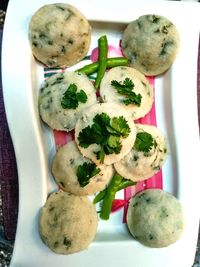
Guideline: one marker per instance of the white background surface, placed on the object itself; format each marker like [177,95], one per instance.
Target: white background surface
[176,106]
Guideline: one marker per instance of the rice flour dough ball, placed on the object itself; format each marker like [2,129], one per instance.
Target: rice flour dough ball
[151,44]
[67,223]
[146,157]
[128,87]
[59,35]
[155,218]
[77,174]
[105,133]
[63,97]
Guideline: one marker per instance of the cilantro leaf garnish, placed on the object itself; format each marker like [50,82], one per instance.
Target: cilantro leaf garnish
[114,144]
[125,88]
[71,97]
[121,126]
[144,142]
[127,84]
[85,172]
[105,132]
[100,155]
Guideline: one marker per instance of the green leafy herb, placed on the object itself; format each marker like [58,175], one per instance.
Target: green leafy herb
[126,88]
[85,172]
[120,126]
[71,97]
[106,133]
[67,242]
[144,142]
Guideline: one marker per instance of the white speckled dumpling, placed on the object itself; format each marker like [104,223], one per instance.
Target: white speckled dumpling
[113,111]
[67,223]
[64,169]
[51,95]
[151,44]
[139,165]
[155,218]
[59,35]
[141,87]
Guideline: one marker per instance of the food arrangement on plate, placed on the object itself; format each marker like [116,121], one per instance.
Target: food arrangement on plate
[110,151]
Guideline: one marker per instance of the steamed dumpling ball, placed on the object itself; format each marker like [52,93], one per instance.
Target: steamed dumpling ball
[67,223]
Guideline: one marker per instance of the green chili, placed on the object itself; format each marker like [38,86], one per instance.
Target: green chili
[124,184]
[103,51]
[99,196]
[89,69]
[110,196]
[117,61]
[110,63]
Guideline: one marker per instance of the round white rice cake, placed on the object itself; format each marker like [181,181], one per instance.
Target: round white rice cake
[112,110]
[139,165]
[67,223]
[151,44]
[51,94]
[59,35]
[155,218]
[141,86]
[64,169]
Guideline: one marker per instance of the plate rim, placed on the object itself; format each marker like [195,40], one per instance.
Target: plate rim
[7,83]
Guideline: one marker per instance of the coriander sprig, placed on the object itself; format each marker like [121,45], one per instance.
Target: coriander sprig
[144,142]
[105,132]
[71,97]
[125,88]
[85,172]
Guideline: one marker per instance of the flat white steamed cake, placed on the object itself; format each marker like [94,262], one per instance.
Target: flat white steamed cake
[51,95]
[113,111]
[140,165]
[59,35]
[141,87]
[151,43]
[67,223]
[64,169]
[155,218]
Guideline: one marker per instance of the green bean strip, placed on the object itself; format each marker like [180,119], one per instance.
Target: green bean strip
[89,69]
[103,51]
[110,196]
[124,184]
[110,63]
[117,61]
[100,196]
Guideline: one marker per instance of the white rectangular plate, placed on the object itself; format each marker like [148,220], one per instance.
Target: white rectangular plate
[176,108]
